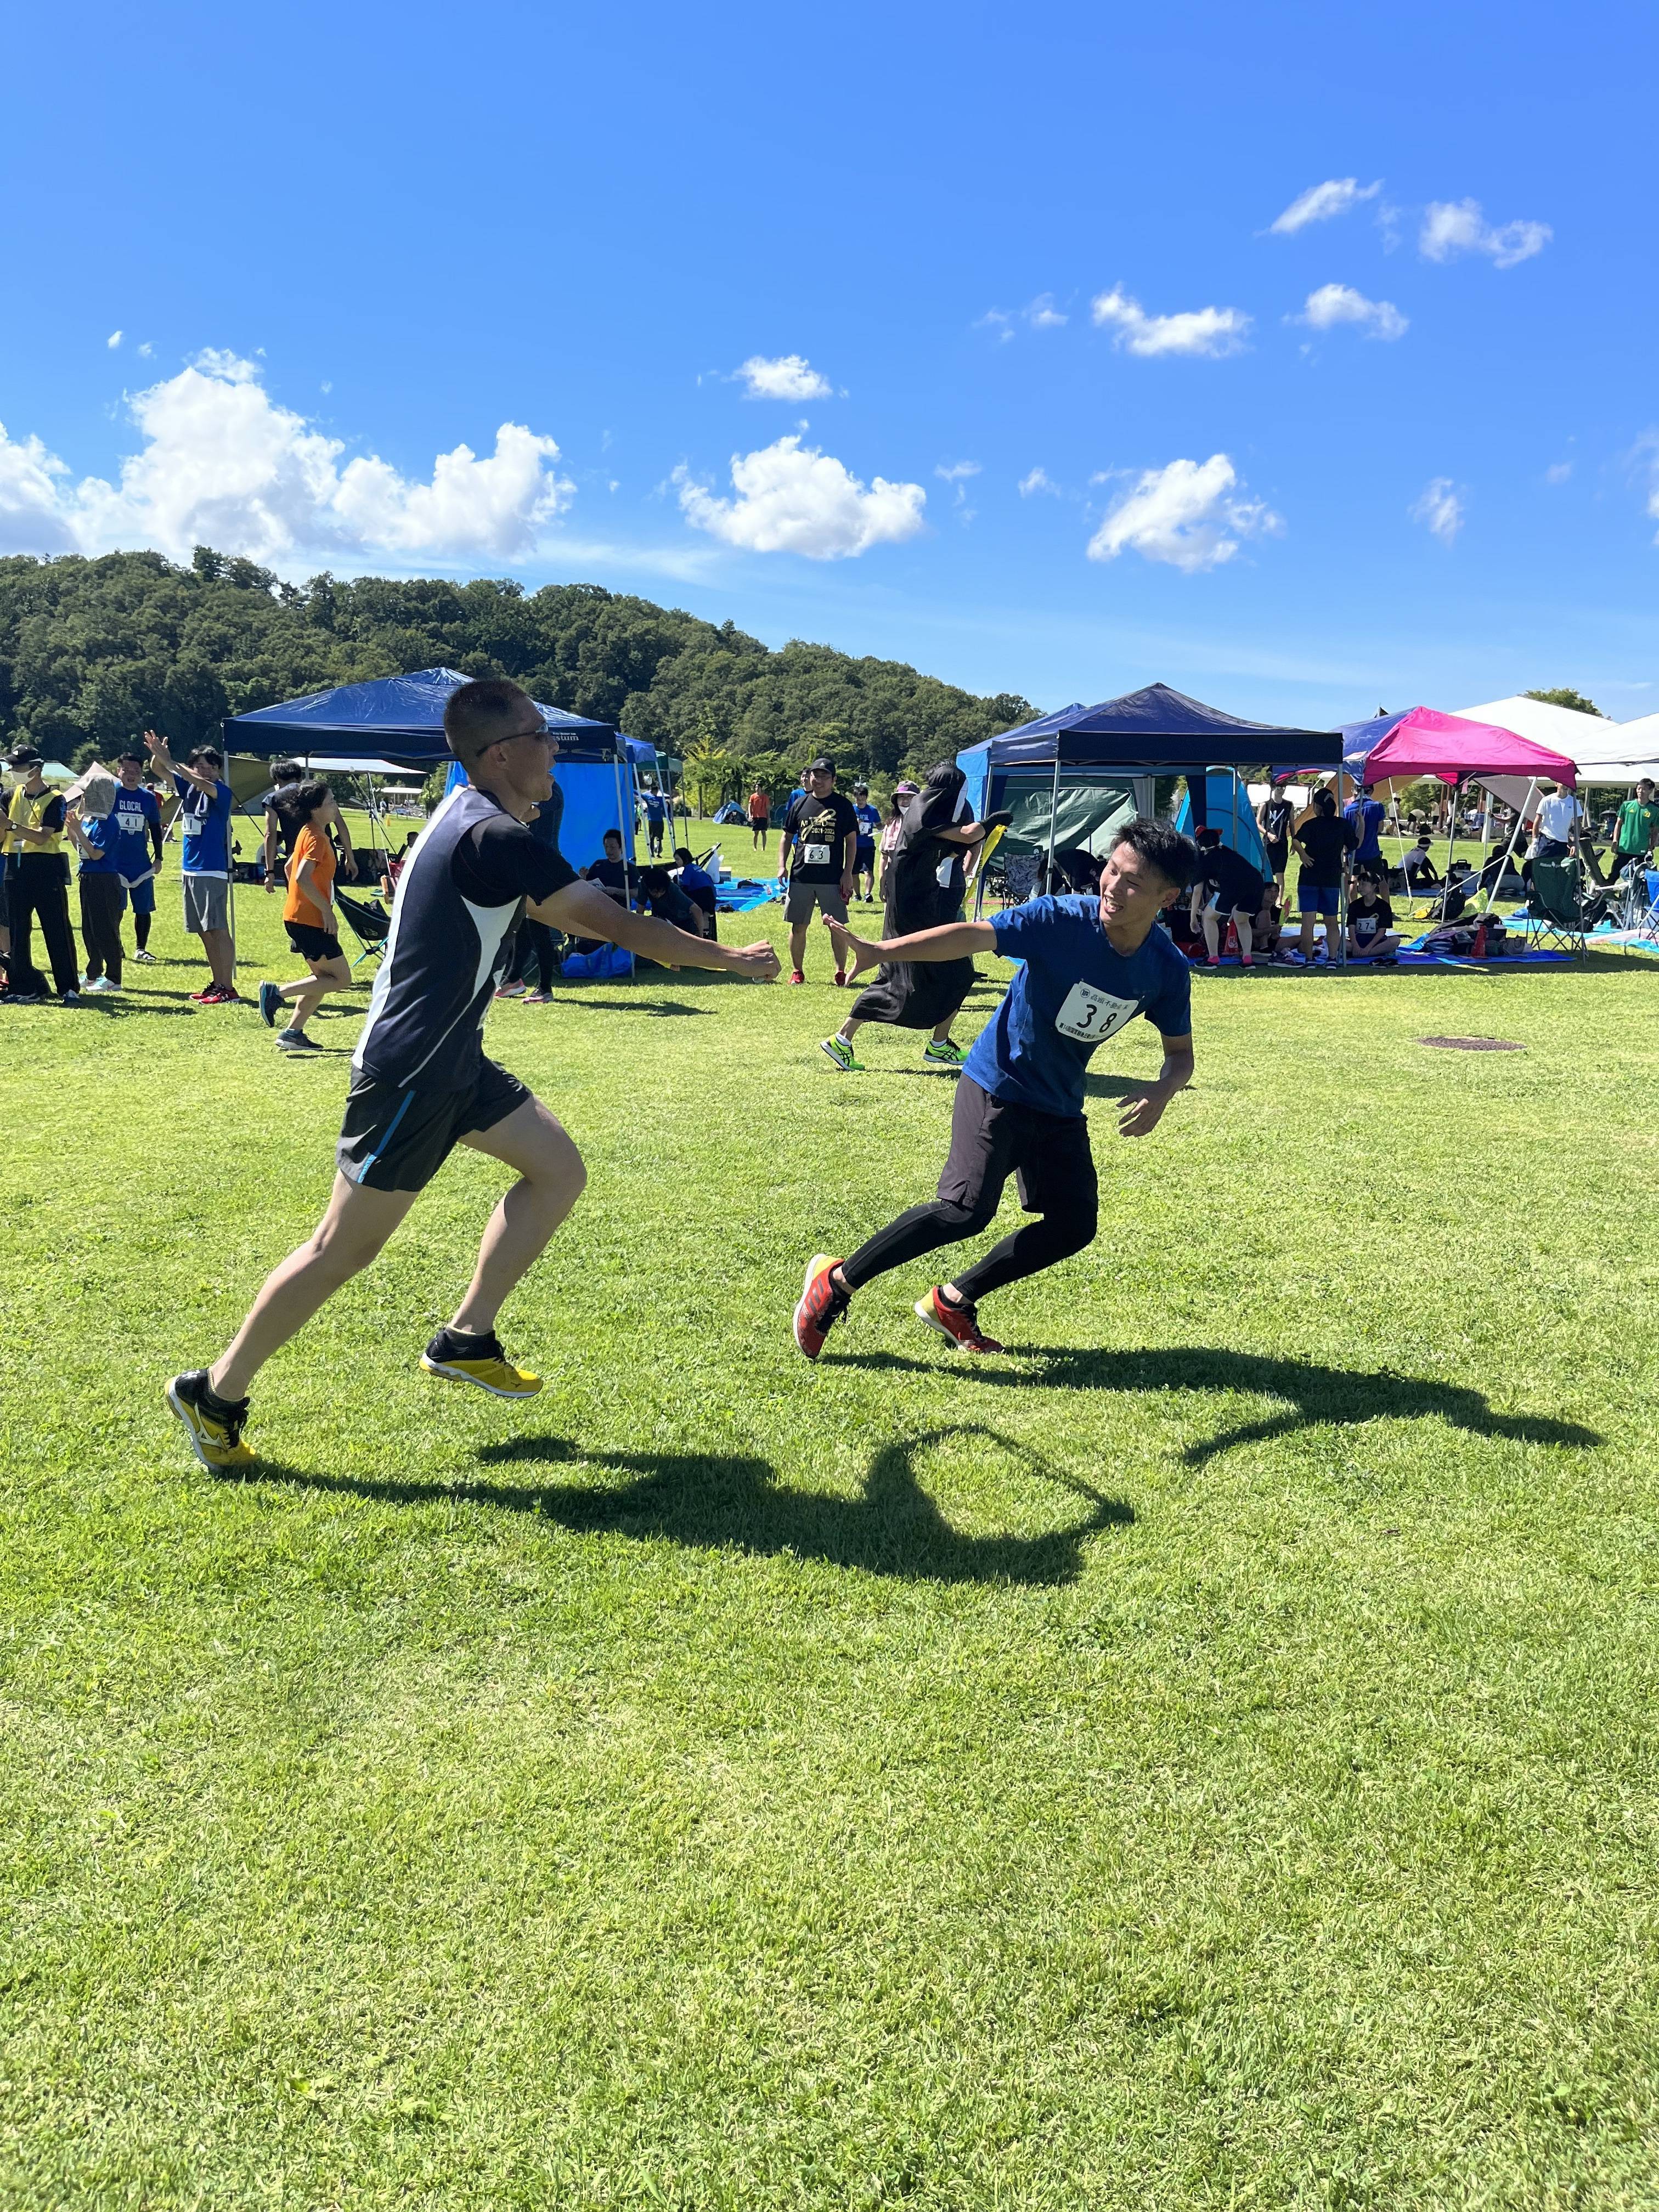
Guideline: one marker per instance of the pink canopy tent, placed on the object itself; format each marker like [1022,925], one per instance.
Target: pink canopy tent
[1427,742]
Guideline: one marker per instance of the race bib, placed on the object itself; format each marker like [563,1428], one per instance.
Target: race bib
[815,856]
[1088,1015]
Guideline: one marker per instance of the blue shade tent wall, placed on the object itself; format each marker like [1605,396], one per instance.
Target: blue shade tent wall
[1227,808]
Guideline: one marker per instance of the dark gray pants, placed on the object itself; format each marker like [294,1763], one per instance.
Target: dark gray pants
[102,901]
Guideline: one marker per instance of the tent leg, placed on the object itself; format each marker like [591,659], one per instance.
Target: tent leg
[1053,809]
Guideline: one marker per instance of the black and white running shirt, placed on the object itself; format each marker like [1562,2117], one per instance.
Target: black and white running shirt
[457,898]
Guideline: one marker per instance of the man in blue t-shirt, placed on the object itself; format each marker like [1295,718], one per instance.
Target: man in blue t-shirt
[863,856]
[204,803]
[138,820]
[1367,816]
[1089,965]
[656,814]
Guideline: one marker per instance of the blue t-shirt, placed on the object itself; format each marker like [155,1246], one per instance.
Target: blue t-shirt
[1073,990]
[103,834]
[1367,816]
[869,823]
[205,822]
[699,887]
[135,814]
[656,807]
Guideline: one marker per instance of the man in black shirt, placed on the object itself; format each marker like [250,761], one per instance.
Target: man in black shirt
[1273,819]
[1322,844]
[1226,885]
[820,838]
[421,1082]
[610,873]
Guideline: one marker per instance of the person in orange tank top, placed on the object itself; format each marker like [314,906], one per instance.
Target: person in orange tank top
[308,917]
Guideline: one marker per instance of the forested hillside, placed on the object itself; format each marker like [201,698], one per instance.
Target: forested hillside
[92,652]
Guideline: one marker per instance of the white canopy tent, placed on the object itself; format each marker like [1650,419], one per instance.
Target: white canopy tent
[1602,752]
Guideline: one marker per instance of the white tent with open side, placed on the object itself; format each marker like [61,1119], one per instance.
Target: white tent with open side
[1602,752]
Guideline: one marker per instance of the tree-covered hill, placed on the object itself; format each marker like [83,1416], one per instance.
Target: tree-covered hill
[94,651]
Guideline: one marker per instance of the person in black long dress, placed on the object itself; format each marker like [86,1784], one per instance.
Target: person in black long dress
[923,888]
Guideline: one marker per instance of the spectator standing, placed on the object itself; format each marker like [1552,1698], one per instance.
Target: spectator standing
[656,815]
[1367,815]
[760,817]
[1225,885]
[537,946]
[281,827]
[309,917]
[820,833]
[204,802]
[95,837]
[1323,843]
[1556,824]
[137,845]
[864,852]
[1273,819]
[1636,832]
[37,884]
[892,830]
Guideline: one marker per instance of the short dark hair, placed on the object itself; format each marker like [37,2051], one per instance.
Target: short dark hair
[1325,801]
[476,715]
[685,853]
[609,835]
[303,799]
[1206,839]
[200,753]
[1162,846]
[132,754]
[286,772]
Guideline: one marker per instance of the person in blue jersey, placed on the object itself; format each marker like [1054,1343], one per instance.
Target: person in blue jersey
[656,815]
[421,1081]
[1088,966]
[137,819]
[205,807]
[864,851]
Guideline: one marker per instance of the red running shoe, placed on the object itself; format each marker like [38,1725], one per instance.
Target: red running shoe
[821,1305]
[841,976]
[795,975]
[956,1322]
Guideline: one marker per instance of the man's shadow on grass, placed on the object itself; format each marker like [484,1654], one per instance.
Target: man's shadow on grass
[1313,1396]
[663,1010]
[892,1528]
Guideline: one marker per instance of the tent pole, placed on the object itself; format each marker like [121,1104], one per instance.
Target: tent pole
[1054,809]
[1342,960]
[623,829]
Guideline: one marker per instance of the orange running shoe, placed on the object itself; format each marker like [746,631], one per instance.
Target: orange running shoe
[956,1322]
[821,1305]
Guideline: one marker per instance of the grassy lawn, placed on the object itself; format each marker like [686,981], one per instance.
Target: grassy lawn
[1206,1758]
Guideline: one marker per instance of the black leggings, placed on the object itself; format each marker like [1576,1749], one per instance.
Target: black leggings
[37,886]
[1039,1243]
[536,946]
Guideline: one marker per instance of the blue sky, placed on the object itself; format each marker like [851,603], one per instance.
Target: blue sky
[1401,448]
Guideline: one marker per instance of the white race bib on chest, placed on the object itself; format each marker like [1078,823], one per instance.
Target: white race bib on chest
[815,856]
[1088,1015]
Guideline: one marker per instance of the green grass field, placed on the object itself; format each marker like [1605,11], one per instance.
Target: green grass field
[1206,1758]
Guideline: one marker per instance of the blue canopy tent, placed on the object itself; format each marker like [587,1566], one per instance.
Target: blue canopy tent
[1128,741]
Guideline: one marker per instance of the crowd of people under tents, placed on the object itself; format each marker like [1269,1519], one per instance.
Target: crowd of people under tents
[833,849]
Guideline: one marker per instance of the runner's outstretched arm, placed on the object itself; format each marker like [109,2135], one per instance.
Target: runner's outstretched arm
[952,940]
[582,910]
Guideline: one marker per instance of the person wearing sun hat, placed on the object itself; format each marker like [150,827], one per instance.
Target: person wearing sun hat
[892,830]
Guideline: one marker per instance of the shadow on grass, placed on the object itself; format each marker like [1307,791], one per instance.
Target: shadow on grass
[663,1009]
[893,1527]
[1314,1395]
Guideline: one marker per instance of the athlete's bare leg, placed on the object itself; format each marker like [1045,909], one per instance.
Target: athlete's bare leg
[351,1234]
[552,1178]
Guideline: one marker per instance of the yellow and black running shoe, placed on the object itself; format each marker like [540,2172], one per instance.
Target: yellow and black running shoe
[460,1358]
[213,1425]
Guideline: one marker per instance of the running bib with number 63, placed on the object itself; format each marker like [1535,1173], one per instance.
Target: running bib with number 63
[815,856]
[1088,1015]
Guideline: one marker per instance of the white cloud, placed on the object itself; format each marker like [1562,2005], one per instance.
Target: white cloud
[145,350]
[221,463]
[1557,472]
[1043,315]
[1038,480]
[1339,303]
[113,340]
[998,320]
[1454,227]
[793,499]
[1320,203]
[790,376]
[1440,505]
[1212,332]
[1186,513]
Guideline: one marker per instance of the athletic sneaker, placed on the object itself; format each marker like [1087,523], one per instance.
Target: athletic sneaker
[840,975]
[795,975]
[144,959]
[229,996]
[539,998]
[213,1424]
[511,991]
[820,1306]
[955,1322]
[70,999]
[944,1052]
[296,1041]
[458,1358]
[842,1053]
[201,998]
[100,984]
[270,1004]
[1214,960]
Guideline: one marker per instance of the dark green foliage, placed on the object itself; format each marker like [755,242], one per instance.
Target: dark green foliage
[1564,695]
[92,652]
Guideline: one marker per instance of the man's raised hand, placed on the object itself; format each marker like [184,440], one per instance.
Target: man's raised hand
[864,953]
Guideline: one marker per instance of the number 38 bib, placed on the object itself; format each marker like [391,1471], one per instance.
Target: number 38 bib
[1088,1015]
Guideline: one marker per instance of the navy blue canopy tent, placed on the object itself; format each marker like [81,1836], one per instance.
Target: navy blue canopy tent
[401,719]
[1100,755]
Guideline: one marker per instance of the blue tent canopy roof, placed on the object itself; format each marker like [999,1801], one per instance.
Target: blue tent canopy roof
[1155,729]
[401,717]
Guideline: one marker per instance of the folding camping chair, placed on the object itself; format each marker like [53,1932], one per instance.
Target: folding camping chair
[1557,909]
[369,922]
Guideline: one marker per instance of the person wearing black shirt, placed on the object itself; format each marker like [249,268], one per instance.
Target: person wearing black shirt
[820,837]
[1421,874]
[1322,845]
[1226,885]
[421,1083]
[1273,819]
[1371,933]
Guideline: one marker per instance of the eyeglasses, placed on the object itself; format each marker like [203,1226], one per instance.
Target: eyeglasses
[541,733]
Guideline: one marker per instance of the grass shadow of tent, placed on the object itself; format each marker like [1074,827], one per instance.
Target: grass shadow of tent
[1313,1396]
[721,1502]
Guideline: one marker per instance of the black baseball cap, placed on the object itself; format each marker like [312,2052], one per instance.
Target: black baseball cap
[26,756]
[821,766]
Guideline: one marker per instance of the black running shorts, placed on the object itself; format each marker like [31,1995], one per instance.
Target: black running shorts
[312,943]
[397,1139]
[992,1139]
